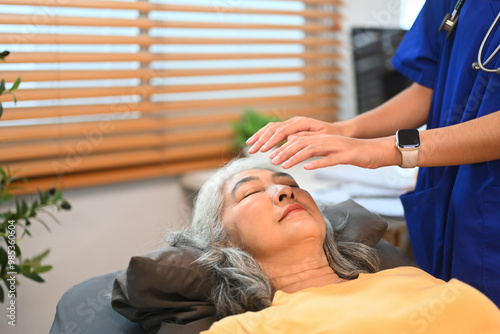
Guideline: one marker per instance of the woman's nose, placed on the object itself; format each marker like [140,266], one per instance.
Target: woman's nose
[282,193]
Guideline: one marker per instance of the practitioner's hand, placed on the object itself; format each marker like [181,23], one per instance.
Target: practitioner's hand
[275,132]
[335,150]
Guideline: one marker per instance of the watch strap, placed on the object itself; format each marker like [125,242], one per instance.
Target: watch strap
[409,158]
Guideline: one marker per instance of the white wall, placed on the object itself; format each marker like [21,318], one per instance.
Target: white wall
[105,227]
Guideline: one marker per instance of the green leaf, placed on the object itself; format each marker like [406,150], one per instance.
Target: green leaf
[15,85]
[26,232]
[57,196]
[35,277]
[4,54]
[25,268]
[6,196]
[50,214]
[18,207]
[1,109]
[3,174]
[3,258]
[7,168]
[2,86]
[41,256]
[1,295]
[15,98]
[32,209]
[43,197]
[42,269]
[18,251]
[40,195]
[24,208]
[43,223]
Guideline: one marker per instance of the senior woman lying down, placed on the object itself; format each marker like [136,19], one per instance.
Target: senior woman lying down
[280,269]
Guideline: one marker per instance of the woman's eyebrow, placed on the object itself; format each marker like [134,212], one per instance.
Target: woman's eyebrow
[244,180]
[281,174]
[241,182]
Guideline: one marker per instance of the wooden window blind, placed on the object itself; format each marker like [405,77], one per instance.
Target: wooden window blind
[118,90]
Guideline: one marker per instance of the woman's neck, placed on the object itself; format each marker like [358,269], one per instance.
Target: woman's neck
[296,275]
[316,277]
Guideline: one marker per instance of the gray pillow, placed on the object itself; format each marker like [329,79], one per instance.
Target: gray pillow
[86,309]
[363,226]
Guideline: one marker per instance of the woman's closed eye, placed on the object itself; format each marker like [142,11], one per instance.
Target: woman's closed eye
[249,193]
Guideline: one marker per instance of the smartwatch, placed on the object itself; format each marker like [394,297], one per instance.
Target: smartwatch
[408,143]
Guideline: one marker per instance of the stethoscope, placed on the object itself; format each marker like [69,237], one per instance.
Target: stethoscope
[448,24]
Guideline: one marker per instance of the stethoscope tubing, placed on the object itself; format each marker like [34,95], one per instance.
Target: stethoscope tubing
[480,53]
[449,23]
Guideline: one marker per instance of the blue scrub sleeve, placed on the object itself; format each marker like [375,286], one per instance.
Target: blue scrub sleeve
[418,54]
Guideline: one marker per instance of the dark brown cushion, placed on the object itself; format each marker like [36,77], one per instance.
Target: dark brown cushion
[164,286]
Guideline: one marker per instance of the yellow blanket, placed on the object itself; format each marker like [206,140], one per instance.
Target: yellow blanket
[401,301]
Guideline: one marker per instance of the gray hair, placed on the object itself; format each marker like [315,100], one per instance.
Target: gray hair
[241,284]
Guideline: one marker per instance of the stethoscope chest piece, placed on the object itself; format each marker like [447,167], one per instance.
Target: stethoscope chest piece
[450,20]
[449,23]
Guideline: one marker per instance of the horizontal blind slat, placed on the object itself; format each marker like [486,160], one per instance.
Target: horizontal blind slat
[147,7]
[61,75]
[145,40]
[128,5]
[145,23]
[319,2]
[145,90]
[146,107]
[144,57]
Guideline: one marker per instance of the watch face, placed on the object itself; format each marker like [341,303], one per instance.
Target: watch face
[408,138]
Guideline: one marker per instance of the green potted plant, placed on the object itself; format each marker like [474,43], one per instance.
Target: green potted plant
[15,225]
[15,222]
[250,122]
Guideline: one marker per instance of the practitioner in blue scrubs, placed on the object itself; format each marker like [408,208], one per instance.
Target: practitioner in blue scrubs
[453,215]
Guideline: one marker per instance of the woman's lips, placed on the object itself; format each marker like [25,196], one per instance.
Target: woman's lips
[292,208]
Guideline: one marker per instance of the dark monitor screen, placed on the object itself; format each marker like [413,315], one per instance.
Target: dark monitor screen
[376,79]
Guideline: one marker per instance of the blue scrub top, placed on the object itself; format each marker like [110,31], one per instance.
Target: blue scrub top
[453,215]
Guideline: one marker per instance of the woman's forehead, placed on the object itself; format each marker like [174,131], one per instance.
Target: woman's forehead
[257,173]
